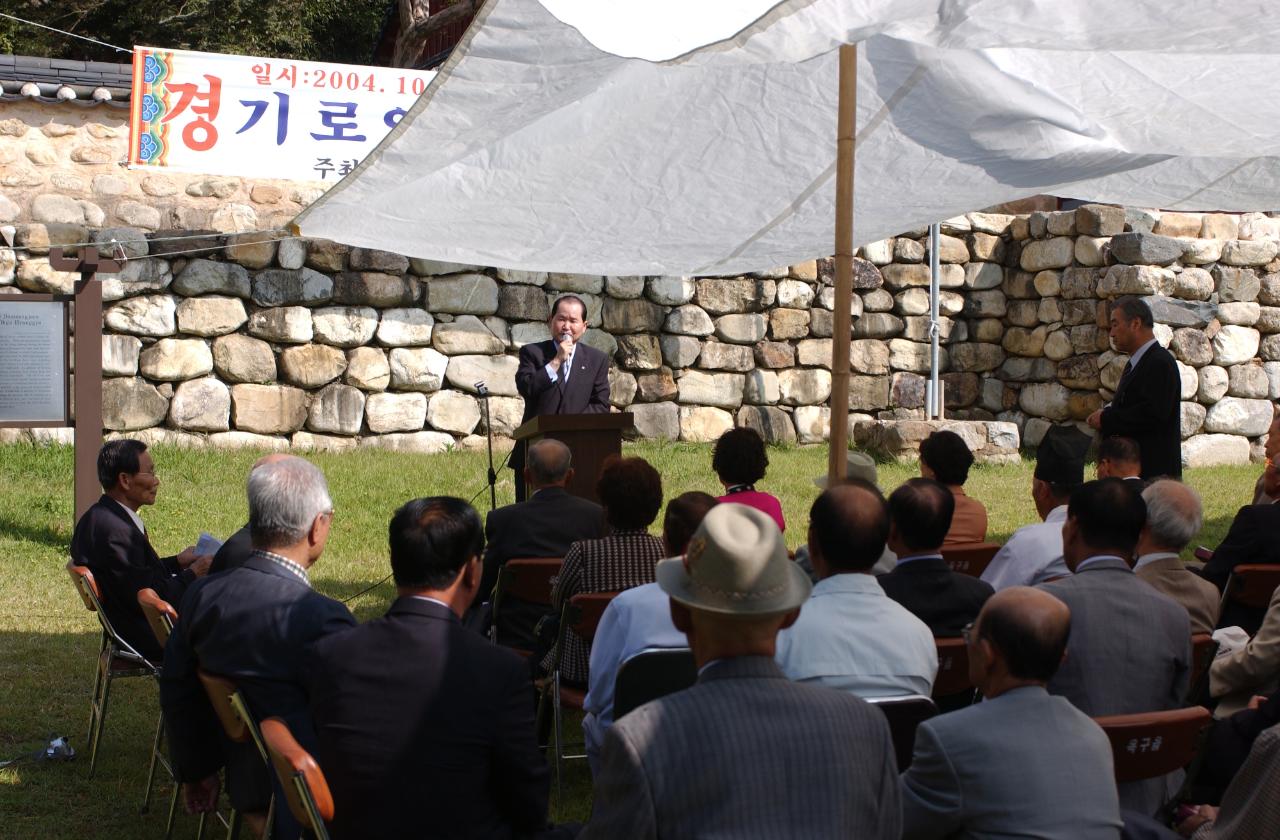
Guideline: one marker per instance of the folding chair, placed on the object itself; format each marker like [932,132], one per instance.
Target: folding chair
[239,725]
[117,659]
[1152,744]
[161,617]
[650,674]
[582,614]
[904,714]
[952,687]
[305,790]
[1203,650]
[526,578]
[971,558]
[1251,585]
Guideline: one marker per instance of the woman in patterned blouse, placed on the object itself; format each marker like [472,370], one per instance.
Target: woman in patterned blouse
[630,490]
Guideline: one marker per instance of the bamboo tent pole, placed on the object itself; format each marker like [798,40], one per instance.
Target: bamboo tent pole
[841,322]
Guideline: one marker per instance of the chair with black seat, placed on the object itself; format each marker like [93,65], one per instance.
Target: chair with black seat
[528,579]
[305,790]
[970,558]
[1154,744]
[240,727]
[117,659]
[650,674]
[1203,650]
[161,617]
[952,687]
[905,714]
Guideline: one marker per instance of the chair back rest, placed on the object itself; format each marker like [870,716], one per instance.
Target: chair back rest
[91,595]
[1252,585]
[586,611]
[86,586]
[305,788]
[1153,744]
[160,614]
[529,578]
[904,715]
[1203,650]
[650,674]
[220,690]
[953,667]
[971,558]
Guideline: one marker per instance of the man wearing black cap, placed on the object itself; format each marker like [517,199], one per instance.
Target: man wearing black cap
[1146,404]
[1034,553]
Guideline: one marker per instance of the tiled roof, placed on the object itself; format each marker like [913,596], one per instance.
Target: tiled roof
[59,79]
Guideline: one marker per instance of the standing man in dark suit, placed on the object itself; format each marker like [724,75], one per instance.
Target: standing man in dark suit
[424,727]
[560,375]
[1146,404]
[745,752]
[112,541]
[544,526]
[1254,537]
[1130,646]
[919,517]
[252,624]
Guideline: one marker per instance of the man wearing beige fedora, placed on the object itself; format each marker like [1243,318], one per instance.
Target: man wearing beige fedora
[745,752]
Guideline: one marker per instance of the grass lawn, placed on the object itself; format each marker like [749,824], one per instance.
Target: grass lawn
[48,642]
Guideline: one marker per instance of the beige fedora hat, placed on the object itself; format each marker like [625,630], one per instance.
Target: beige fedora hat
[735,564]
[856,465]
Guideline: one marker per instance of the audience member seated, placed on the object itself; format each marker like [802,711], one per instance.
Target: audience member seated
[1250,808]
[636,620]
[946,458]
[1254,537]
[631,492]
[745,751]
[851,635]
[112,541]
[1174,518]
[1130,646]
[1270,449]
[545,525]
[919,514]
[1253,669]
[1021,763]
[253,625]
[1228,744]
[239,546]
[1119,457]
[739,462]
[1034,553]
[858,467]
[415,715]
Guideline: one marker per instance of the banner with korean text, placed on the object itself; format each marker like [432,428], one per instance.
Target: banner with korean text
[260,117]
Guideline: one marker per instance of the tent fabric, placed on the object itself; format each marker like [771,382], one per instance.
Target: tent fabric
[566,136]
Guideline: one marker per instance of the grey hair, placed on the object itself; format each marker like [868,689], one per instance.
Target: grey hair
[1174,513]
[285,497]
[548,461]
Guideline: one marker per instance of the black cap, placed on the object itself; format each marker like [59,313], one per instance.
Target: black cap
[1060,456]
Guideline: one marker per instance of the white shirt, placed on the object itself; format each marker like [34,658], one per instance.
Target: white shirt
[1148,559]
[1032,555]
[565,368]
[1138,354]
[133,514]
[852,637]
[1089,561]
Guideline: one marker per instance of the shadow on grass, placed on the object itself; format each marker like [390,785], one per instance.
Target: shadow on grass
[39,534]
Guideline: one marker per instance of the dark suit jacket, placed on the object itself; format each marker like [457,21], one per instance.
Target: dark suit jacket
[1146,408]
[748,753]
[123,562]
[1254,537]
[233,552]
[941,598]
[586,392]
[253,625]
[426,729]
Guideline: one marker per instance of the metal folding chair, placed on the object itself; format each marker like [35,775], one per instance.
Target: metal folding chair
[161,617]
[305,789]
[1203,650]
[117,659]
[526,578]
[650,674]
[239,725]
[904,714]
[971,558]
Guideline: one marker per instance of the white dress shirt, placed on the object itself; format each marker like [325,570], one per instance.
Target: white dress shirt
[852,637]
[637,619]
[1148,559]
[1032,555]
[133,515]
[1139,353]
[565,369]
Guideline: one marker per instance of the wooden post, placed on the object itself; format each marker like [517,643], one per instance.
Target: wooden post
[87,327]
[846,124]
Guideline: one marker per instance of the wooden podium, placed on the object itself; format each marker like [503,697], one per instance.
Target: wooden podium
[590,437]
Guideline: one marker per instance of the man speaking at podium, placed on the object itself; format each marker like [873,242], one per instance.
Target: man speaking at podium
[560,376]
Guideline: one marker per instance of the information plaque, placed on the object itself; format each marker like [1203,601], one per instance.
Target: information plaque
[33,362]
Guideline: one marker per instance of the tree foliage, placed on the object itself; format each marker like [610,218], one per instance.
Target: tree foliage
[316,30]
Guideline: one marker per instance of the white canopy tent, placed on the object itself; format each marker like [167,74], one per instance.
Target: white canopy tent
[665,137]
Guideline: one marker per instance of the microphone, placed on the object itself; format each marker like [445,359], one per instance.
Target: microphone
[565,336]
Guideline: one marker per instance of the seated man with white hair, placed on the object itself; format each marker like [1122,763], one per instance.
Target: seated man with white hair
[1174,517]
[253,625]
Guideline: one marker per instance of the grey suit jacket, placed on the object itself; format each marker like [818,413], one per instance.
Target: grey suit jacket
[747,753]
[1198,596]
[1024,764]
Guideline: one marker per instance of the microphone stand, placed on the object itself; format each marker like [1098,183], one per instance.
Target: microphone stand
[483,391]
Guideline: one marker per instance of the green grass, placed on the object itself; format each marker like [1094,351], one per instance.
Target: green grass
[48,642]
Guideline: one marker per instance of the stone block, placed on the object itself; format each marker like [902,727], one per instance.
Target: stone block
[590,284]
[788,323]
[268,409]
[622,388]
[913,356]
[285,287]
[395,412]
[368,369]
[1179,224]
[418,369]
[878,253]
[345,326]
[1099,220]
[1057,252]
[717,355]
[175,359]
[1092,250]
[327,255]
[252,250]
[742,328]
[724,390]
[975,357]
[286,324]
[772,424]
[1138,248]
[761,388]
[804,386]
[527,333]
[961,390]
[204,277]
[1192,347]
[1190,380]
[703,424]
[422,443]
[524,303]
[1236,416]
[657,421]
[1049,311]
[1079,373]
[689,320]
[147,315]
[1131,280]
[129,404]
[774,354]
[624,288]
[1272,370]
[1233,345]
[988,304]
[1214,451]
[813,423]
[369,259]
[453,411]
[1191,418]
[1026,313]
[1234,284]
[498,372]
[600,340]
[900,276]
[639,352]
[312,365]
[1269,348]
[1268,319]
[983,275]
[794,294]
[239,358]
[1239,313]
[729,295]
[877,325]
[1255,252]
[984,247]
[1077,312]
[466,335]
[405,328]
[1213,384]
[1248,380]
[656,386]
[371,288]
[907,390]
[1179,313]
[876,300]
[1058,345]
[679,351]
[120,355]
[670,291]
[1050,400]
[1023,369]
[201,405]
[869,393]
[462,294]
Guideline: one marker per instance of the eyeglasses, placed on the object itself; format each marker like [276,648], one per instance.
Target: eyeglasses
[966,633]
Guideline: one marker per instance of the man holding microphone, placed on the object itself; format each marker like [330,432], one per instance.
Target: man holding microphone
[561,375]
